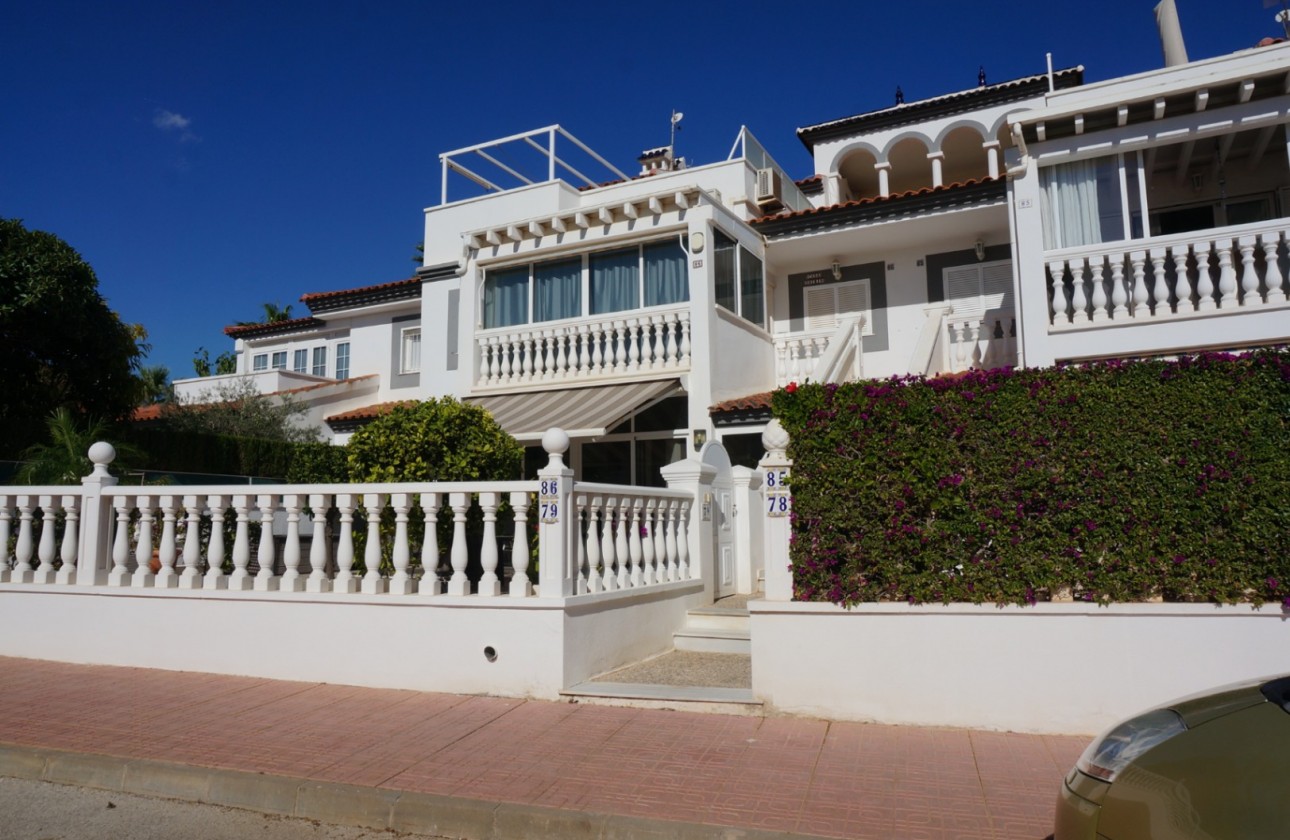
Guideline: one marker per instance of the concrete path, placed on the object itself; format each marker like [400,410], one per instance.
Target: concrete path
[488,767]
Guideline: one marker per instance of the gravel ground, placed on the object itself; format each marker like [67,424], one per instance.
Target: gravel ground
[680,667]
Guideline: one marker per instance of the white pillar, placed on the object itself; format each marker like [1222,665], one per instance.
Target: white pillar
[832,189]
[695,478]
[95,550]
[777,507]
[884,177]
[557,526]
[938,168]
[748,529]
[992,156]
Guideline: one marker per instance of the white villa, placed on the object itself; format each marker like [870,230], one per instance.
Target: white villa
[648,314]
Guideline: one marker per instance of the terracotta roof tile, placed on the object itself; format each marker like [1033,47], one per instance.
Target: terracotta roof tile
[752,402]
[314,297]
[881,199]
[369,412]
[272,328]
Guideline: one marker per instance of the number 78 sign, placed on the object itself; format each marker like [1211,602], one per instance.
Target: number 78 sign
[779,500]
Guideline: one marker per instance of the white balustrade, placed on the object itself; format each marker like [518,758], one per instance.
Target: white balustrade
[302,539]
[616,344]
[1213,271]
[797,355]
[982,341]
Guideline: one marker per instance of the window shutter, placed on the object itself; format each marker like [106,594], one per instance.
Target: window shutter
[821,308]
[996,286]
[963,290]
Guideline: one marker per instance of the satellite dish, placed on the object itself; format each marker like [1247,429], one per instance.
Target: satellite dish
[677,116]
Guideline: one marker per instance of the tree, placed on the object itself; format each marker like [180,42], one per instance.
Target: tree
[61,344]
[64,459]
[235,408]
[435,440]
[225,363]
[273,314]
[154,385]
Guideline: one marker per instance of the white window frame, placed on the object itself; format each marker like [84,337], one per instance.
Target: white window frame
[342,360]
[410,350]
[319,361]
[300,361]
[259,362]
[279,360]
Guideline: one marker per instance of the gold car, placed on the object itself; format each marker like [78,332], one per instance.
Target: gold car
[1213,766]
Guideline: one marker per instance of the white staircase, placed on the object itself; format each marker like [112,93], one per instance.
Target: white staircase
[715,629]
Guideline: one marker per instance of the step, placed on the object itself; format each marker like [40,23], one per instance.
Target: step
[712,640]
[685,698]
[717,618]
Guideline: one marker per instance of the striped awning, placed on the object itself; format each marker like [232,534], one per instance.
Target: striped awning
[581,412]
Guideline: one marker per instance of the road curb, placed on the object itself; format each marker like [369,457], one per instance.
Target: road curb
[352,805]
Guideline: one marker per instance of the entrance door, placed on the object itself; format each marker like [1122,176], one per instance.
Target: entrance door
[723,531]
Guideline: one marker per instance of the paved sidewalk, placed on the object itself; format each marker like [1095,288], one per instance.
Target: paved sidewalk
[486,767]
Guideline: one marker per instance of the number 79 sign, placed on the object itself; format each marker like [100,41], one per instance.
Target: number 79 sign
[549,500]
[779,500]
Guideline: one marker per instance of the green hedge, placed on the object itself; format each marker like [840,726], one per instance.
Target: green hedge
[1109,482]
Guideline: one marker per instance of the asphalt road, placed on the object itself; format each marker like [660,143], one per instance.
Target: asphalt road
[31,810]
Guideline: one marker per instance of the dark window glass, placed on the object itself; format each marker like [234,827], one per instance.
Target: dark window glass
[723,267]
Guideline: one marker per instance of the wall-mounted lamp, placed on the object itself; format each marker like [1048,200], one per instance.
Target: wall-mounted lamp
[837,270]
[980,250]
[700,438]
[696,242]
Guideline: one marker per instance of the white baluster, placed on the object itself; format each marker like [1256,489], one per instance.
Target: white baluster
[6,526]
[598,340]
[215,577]
[24,546]
[582,363]
[1226,275]
[345,580]
[527,354]
[1159,289]
[291,580]
[459,584]
[166,576]
[401,554]
[654,342]
[1182,281]
[1138,259]
[635,549]
[1097,266]
[1249,277]
[608,578]
[671,329]
[266,556]
[143,545]
[47,551]
[974,343]
[622,546]
[649,574]
[958,332]
[594,581]
[192,576]
[584,523]
[1204,283]
[669,536]
[546,354]
[489,583]
[1079,299]
[429,584]
[1058,308]
[68,546]
[486,371]
[1273,277]
[318,580]
[1119,297]
[685,340]
[373,583]
[240,579]
[521,587]
[683,541]
[120,574]
[620,345]
[633,332]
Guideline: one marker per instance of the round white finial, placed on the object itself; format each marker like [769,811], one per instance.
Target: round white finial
[775,438]
[102,454]
[555,441]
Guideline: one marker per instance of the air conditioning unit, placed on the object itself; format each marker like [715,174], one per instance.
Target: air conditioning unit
[768,190]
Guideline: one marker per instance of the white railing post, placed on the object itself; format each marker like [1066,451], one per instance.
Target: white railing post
[748,527]
[694,520]
[556,521]
[777,501]
[521,587]
[94,552]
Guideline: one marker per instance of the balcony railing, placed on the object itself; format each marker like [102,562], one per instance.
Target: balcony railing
[1212,271]
[834,355]
[986,340]
[616,345]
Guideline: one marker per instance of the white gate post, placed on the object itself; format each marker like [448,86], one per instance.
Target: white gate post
[748,515]
[695,477]
[95,550]
[557,521]
[777,507]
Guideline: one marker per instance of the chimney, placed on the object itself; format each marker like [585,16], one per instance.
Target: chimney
[1171,39]
[656,160]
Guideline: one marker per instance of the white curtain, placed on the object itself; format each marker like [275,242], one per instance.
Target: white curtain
[666,279]
[1081,203]
[557,290]
[615,283]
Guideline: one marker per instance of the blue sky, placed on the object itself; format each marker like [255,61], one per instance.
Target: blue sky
[208,157]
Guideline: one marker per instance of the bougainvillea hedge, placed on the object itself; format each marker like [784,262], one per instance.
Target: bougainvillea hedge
[1112,482]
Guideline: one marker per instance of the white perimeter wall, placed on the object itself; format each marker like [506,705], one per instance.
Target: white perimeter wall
[384,641]
[1059,668]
